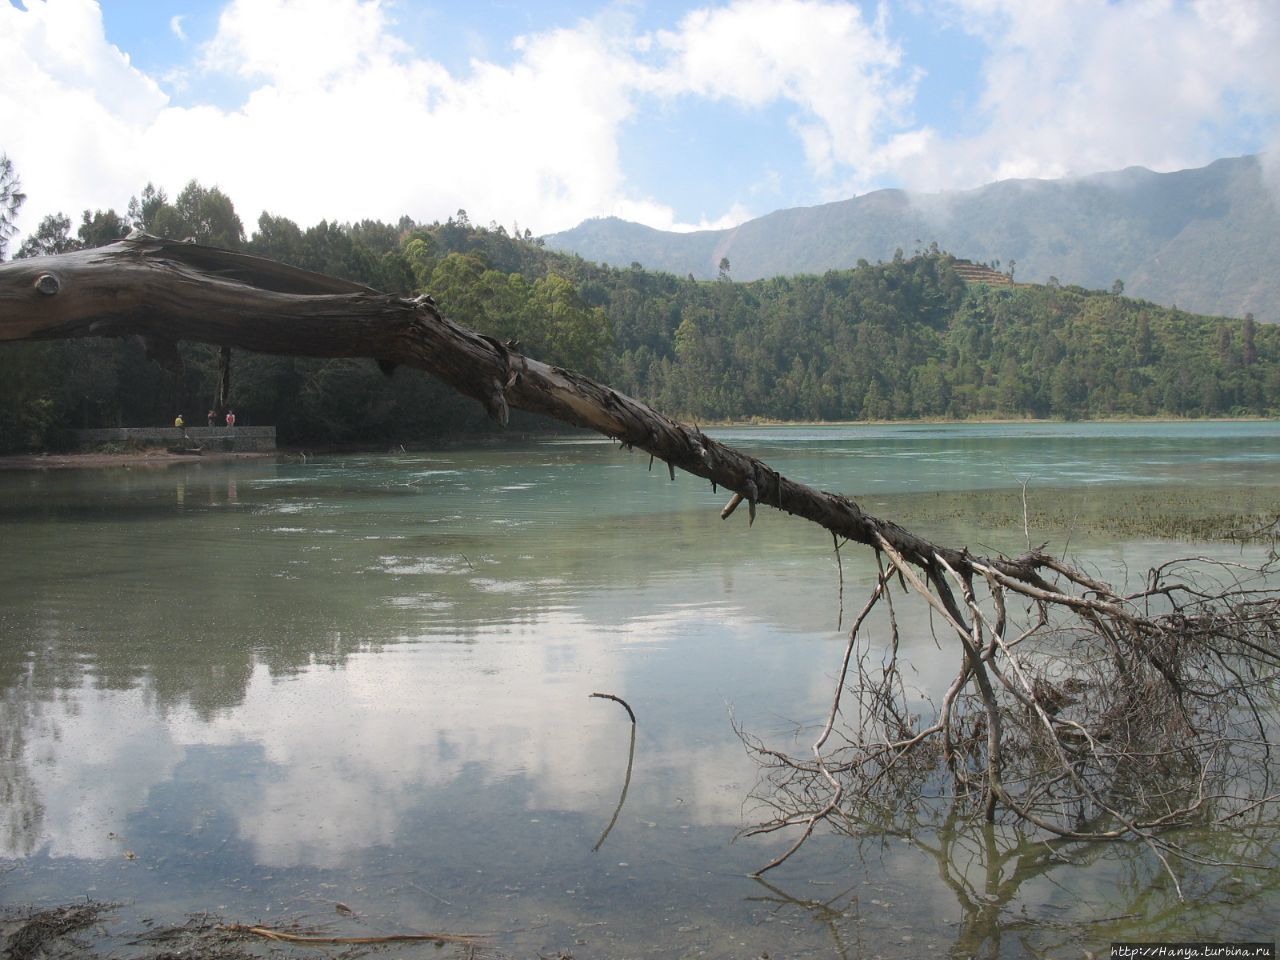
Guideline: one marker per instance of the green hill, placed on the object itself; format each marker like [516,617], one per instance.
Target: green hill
[920,336]
[1205,240]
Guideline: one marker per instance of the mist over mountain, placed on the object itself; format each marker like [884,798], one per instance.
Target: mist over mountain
[1206,240]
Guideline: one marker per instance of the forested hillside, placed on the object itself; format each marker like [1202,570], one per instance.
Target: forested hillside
[1203,239]
[904,338]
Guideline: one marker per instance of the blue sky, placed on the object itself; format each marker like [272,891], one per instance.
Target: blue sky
[676,114]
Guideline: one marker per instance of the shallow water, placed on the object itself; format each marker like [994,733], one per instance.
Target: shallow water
[264,688]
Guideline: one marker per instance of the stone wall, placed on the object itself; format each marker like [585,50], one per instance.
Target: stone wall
[211,439]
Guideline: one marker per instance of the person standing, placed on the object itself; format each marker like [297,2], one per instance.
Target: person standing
[212,416]
[231,418]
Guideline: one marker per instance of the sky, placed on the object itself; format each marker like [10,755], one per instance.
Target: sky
[539,114]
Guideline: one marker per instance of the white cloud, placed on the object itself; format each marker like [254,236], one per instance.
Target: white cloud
[175,26]
[342,123]
[1077,86]
[844,76]
[300,44]
[342,120]
[661,217]
[69,107]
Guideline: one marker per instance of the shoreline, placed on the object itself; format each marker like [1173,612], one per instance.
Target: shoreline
[143,458]
[158,457]
[970,421]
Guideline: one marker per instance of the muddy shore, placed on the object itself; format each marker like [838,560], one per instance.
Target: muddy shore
[144,458]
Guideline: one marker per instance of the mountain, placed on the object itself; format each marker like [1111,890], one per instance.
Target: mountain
[1206,240]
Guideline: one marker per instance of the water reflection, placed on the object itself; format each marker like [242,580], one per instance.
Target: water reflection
[974,890]
[342,754]
[368,678]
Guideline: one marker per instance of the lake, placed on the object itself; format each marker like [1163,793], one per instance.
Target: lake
[267,688]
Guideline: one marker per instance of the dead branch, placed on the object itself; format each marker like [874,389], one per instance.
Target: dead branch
[166,292]
[1078,709]
[283,936]
[1087,720]
[626,706]
[626,780]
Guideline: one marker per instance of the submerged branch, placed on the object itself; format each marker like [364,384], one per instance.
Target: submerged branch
[626,780]
[626,706]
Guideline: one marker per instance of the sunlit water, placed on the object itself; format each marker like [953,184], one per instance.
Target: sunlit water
[264,688]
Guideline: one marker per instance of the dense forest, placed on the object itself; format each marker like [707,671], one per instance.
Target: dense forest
[899,339]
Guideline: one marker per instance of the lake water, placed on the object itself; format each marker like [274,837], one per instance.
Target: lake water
[265,688]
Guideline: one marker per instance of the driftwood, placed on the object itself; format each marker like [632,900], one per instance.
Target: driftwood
[285,936]
[1085,712]
[626,780]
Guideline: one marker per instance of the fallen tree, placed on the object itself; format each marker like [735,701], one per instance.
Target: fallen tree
[1084,710]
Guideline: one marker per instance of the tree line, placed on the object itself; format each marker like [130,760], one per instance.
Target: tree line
[901,339]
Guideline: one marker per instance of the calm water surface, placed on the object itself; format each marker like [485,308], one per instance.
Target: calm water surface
[261,688]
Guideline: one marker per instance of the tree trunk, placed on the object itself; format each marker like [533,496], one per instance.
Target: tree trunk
[167,292]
